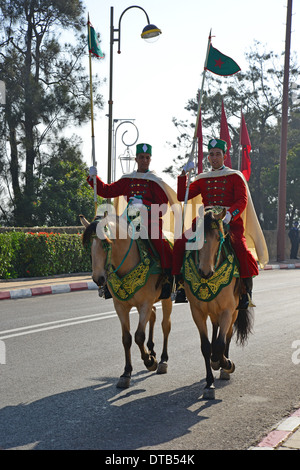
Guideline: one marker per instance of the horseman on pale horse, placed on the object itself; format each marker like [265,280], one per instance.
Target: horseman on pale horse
[216,258]
[132,251]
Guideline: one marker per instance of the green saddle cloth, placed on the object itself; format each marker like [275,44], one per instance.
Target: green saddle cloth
[124,288]
[207,289]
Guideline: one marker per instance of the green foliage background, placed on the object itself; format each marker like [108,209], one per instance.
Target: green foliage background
[42,254]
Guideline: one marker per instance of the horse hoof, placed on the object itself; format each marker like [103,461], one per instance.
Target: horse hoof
[231,368]
[124,382]
[224,375]
[162,368]
[209,393]
[215,365]
[153,364]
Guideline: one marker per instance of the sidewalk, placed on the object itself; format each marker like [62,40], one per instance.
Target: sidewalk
[60,284]
[284,436]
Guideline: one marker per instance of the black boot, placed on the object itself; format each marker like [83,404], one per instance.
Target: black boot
[167,284]
[180,297]
[246,298]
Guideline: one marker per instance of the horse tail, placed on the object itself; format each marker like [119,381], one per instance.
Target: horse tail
[243,326]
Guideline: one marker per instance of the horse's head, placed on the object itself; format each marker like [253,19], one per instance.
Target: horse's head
[209,254]
[98,253]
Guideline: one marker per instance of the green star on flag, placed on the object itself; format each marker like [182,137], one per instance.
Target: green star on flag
[220,64]
[94,46]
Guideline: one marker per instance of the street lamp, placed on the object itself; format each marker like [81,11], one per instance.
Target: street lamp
[127,158]
[149,33]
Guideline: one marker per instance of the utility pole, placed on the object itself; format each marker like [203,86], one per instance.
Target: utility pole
[283,145]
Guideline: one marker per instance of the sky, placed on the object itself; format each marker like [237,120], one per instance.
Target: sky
[152,83]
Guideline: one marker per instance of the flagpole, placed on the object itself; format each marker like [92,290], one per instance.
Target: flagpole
[94,163]
[202,85]
[196,127]
[240,146]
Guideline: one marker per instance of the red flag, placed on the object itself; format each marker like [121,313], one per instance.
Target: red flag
[200,144]
[246,148]
[224,135]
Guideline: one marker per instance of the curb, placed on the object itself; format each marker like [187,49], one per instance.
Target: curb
[75,286]
[268,267]
[55,289]
[280,434]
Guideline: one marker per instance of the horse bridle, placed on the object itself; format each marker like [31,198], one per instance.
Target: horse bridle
[217,225]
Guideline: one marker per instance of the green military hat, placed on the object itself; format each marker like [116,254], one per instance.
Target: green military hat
[143,148]
[217,143]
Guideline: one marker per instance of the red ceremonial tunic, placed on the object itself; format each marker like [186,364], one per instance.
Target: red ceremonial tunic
[229,191]
[151,193]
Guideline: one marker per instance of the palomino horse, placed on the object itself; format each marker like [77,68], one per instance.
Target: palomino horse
[213,288]
[144,288]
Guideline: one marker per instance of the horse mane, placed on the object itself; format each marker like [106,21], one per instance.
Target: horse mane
[209,220]
[89,232]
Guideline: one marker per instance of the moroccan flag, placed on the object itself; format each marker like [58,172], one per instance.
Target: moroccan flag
[94,46]
[200,144]
[224,135]
[220,64]
[246,148]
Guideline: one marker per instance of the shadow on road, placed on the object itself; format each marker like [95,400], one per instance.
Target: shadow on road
[103,417]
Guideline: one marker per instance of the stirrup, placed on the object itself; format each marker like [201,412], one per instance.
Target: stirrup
[245,302]
[251,304]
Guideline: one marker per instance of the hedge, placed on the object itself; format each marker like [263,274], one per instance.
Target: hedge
[42,254]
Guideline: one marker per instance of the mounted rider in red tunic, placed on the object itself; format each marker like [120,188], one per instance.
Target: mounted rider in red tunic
[223,186]
[144,187]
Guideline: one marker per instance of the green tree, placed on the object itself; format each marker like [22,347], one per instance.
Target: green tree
[47,90]
[63,192]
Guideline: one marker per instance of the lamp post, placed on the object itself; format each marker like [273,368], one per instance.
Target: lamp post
[283,145]
[150,31]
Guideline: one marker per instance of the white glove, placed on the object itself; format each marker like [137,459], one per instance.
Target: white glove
[189,166]
[227,218]
[136,201]
[93,171]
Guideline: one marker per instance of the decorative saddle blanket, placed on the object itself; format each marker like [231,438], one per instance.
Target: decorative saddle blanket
[124,288]
[207,289]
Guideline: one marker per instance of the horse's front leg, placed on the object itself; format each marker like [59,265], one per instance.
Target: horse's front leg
[150,361]
[200,320]
[209,391]
[150,342]
[123,314]
[166,327]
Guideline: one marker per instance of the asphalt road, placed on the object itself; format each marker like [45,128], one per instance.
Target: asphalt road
[63,357]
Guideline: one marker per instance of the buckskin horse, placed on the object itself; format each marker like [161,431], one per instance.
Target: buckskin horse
[212,287]
[134,280]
